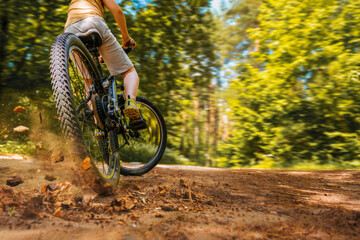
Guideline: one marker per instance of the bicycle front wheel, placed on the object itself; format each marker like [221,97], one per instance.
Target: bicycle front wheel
[142,149]
[73,72]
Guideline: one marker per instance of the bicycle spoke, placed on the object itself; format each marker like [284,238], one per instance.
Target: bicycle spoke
[77,114]
[140,147]
[97,148]
[77,83]
[78,80]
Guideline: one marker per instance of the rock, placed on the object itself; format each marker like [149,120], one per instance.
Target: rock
[111,210]
[19,109]
[61,186]
[159,215]
[57,213]
[129,204]
[38,146]
[211,203]
[316,212]
[6,191]
[21,129]
[86,164]
[36,203]
[67,204]
[168,208]
[88,199]
[122,204]
[163,189]
[258,236]
[78,199]
[44,188]
[183,183]
[50,178]
[1,208]
[57,157]
[52,187]
[116,208]
[33,208]
[14,181]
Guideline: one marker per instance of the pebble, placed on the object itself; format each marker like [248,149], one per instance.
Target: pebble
[14,181]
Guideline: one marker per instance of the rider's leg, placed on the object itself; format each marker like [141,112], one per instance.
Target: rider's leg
[115,59]
[131,82]
[88,83]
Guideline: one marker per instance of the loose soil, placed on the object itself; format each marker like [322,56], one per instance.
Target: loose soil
[174,202]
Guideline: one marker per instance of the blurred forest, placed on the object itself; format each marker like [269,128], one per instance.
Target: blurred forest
[270,83]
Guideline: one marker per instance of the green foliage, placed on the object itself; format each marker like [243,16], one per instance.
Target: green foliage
[19,147]
[176,60]
[175,54]
[38,104]
[136,151]
[28,29]
[233,37]
[295,100]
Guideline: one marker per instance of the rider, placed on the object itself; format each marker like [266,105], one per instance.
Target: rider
[85,17]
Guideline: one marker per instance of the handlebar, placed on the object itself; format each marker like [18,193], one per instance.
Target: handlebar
[130,44]
[127,50]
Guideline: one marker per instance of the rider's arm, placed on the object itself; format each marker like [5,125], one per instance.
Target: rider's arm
[119,16]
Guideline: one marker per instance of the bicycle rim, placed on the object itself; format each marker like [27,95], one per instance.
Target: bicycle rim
[98,142]
[141,150]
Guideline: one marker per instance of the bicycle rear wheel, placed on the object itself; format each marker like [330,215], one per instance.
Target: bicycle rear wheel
[72,72]
[142,149]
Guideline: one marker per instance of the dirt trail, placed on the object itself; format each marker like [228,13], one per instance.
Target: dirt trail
[181,203]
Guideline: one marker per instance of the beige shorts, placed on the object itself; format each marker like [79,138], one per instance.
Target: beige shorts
[114,56]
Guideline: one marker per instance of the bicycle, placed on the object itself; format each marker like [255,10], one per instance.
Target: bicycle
[91,112]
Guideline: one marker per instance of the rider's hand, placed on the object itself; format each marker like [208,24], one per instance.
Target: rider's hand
[129,43]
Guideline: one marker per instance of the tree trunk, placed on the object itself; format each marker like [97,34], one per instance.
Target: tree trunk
[4,22]
[183,133]
[216,126]
[196,125]
[208,127]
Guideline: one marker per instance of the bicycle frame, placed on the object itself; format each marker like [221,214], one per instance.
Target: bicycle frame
[109,86]
[92,113]
[109,83]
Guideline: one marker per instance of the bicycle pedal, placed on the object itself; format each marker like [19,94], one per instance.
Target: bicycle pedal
[99,135]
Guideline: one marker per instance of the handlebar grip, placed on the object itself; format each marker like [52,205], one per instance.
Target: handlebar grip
[127,50]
